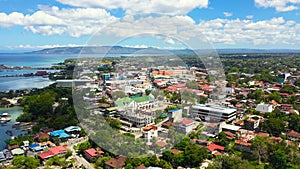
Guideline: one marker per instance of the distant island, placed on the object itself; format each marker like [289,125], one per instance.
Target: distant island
[150,50]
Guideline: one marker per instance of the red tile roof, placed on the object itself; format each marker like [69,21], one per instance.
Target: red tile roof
[212,147]
[175,151]
[240,122]
[141,167]
[293,134]
[58,150]
[161,143]
[261,134]
[46,155]
[240,142]
[116,163]
[93,152]
[187,122]
[167,124]
[147,128]
[229,134]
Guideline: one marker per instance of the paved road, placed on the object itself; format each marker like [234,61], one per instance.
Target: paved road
[79,160]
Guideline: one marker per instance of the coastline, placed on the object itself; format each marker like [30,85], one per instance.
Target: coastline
[15,112]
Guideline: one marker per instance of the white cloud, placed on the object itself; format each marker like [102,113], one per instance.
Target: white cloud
[136,46]
[249,16]
[52,20]
[27,46]
[279,5]
[77,22]
[227,14]
[170,7]
[273,31]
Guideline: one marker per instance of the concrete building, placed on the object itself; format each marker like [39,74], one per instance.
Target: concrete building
[213,113]
[150,132]
[175,115]
[185,126]
[264,108]
[231,128]
[251,124]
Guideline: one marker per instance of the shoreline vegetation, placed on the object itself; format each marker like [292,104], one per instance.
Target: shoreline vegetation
[53,107]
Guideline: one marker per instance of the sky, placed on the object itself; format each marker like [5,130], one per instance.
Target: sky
[256,24]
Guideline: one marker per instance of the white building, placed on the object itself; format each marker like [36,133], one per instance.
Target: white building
[264,108]
[175,115]
[231,128]
[150,132]
[227,90]
[186,126]
[209,113]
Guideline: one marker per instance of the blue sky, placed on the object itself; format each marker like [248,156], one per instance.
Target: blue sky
[37,24]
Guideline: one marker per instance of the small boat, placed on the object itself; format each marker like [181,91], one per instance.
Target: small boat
[5,115]
[16,124]
[5,119]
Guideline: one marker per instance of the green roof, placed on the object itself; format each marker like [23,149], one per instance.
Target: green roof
[125,101]
[142,99]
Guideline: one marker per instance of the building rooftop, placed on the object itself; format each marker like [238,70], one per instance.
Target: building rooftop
[231,127]
[58,150]
[212,147]
[93,152]
[294,134]
[17,151]
[125,101]
[214,108]
[142,99]
[72,128]
[59,134]
[187,122]
[240,142]
[46,155]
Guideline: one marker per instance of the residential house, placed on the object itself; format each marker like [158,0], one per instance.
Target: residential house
[215,147]
[115,163]
[150,132]
[175,115]
[91,154]
[264,108]
[293,135]
[251,124]
[57,150]
[285,107]
[243,146]
[17,152]
[41,136]
[185,126]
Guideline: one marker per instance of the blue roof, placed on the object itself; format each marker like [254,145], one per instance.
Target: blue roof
[37,148]
[59,134]
[64,135]
[31,146]
[174,110]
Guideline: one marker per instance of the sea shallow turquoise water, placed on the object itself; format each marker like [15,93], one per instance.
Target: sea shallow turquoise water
[14,112]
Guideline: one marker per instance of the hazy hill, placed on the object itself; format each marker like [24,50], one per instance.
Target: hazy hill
[130,50]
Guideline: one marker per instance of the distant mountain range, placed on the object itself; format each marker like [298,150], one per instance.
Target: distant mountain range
[130,50]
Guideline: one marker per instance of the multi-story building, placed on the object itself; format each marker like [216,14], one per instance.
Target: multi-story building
[212,113]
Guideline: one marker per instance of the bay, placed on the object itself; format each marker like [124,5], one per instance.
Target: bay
[14,112]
